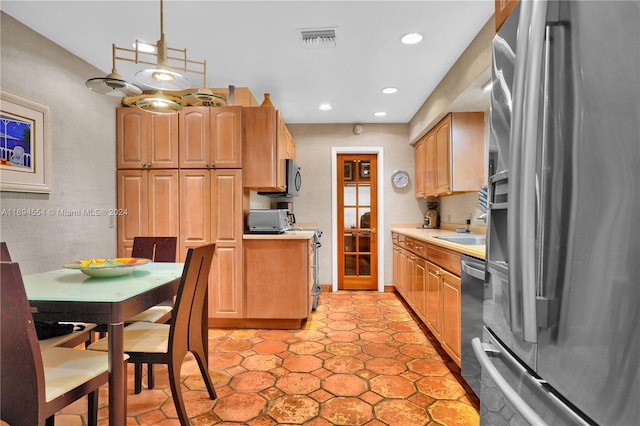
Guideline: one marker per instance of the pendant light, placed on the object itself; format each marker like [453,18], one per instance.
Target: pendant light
[204,96]
[113,84]
[157,102]
[162,77]
[166,76]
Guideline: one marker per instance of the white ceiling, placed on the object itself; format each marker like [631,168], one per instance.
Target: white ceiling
[256,44]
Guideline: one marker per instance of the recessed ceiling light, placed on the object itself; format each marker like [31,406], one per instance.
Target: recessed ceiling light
[389,90]
[411,38]
[380,114]
[324,107]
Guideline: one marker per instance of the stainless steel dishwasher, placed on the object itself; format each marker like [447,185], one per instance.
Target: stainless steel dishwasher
[472,288]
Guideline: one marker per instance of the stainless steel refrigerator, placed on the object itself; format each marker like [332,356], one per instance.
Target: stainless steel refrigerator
[561,310]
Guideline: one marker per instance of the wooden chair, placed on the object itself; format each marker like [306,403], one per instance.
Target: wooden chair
[70,340]
[168,344]
[158,249]
[38,383]
[4,252]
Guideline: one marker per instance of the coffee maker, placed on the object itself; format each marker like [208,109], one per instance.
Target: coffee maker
[431,216]
[288,206]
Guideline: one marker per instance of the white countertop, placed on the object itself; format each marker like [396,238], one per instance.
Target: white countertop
[429,236]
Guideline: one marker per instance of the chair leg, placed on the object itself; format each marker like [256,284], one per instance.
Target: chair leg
[150,379]
[200,357]
[137,377]
[92,409]
[176,390]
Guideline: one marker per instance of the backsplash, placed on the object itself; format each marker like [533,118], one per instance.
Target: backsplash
[457,209]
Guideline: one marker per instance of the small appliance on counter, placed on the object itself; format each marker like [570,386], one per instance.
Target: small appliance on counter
[288,206]
[431,216]
[268,221]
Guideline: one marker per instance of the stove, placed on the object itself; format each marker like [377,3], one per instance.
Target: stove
[317,235]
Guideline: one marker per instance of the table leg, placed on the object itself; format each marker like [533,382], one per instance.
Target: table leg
[117,376]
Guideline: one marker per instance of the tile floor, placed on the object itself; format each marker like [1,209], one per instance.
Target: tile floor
[361,359]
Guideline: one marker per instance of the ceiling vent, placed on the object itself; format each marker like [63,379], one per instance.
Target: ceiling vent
[318,37]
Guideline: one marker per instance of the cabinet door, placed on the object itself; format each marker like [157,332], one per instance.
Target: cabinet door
[133,197]
[433,299]
[146,140]
[132,133]
[163,203]
[443,156]
[226,278]
[226,137]
[195,215]
[420,287]
[195,139]
[420,172]
[263,169]
[450,298]
[396,266]
[162,147]
[430,176]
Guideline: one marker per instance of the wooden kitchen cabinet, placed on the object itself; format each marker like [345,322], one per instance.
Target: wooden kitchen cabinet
[420,157]
[145,140]
[267,145]
[453,156]
[279,280]
[503,9]
[148,200]
[427,276]
[210,137]
[433,299]
[451,315]
[460,153]
[211,203]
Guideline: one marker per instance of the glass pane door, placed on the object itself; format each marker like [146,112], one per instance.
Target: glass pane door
[357,222]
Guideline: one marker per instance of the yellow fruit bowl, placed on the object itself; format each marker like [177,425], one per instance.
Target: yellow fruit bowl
[103,267]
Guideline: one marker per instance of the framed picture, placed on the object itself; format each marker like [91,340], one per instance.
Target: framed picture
[365,168]
[25,145]
[348,171]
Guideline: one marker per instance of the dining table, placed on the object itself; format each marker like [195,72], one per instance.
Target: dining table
[70,295]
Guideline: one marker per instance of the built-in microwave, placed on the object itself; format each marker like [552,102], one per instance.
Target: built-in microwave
[293,182]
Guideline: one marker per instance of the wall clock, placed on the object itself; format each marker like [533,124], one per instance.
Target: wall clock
[400,179]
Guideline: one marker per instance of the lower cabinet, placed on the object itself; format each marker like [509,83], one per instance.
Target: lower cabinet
[425,276]
[278,276]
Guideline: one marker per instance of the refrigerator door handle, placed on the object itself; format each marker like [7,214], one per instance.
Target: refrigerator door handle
[515,165]
[529,195]
[503,386]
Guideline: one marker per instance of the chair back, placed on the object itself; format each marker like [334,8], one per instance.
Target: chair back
[4,252]
[158,249]
[188,318]
[22,398]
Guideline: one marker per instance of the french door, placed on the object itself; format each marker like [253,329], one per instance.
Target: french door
[357,221]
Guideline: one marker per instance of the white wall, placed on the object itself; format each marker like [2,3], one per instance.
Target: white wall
[83,145]
[313,155]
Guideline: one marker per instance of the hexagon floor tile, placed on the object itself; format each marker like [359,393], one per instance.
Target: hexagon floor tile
[360,359]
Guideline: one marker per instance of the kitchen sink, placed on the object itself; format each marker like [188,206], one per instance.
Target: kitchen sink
[464,239]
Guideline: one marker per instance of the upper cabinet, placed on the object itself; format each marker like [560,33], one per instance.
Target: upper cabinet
[503,10]
[267,145]
[450,158]
[146,140]
[210,137]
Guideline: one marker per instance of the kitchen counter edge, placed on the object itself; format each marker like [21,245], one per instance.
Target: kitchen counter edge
[429,236]
[287,235]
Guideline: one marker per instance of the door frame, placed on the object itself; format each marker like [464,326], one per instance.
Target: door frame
[379,151]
